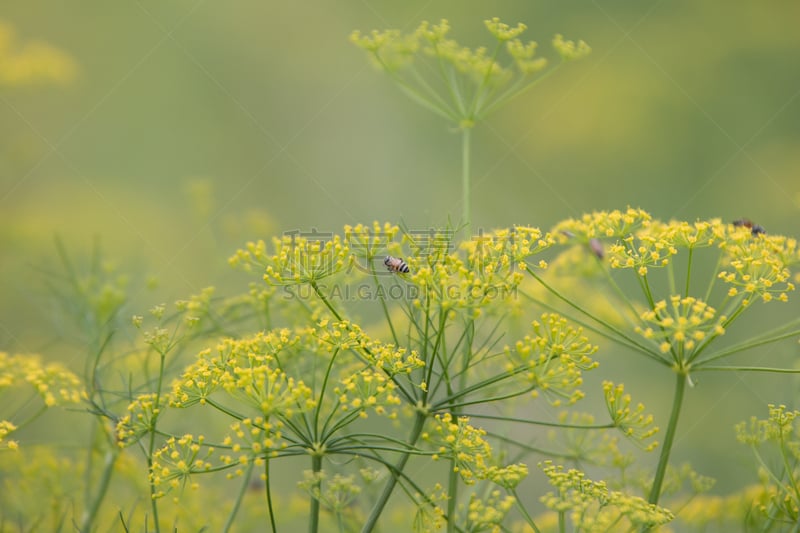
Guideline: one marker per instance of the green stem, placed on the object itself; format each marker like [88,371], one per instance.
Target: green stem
[268,494]
[452,496]
[523,511]
[669,438]
[152,442]
[396,470]
[465,179]
[89,516]
[239,497]
[382,299]
[316,467]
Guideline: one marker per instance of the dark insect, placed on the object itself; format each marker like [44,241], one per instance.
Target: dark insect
[395,264]
[597,248]
[755,229]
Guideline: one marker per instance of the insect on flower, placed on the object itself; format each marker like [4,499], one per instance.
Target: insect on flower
[597,248]
[395,264]
[755,229]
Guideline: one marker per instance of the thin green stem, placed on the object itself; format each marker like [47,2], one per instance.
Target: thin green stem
[325,300]
[239,497]
[669,438]
[316,430]
[268,494]
[152,442]
[465,180]
[513,93]
[523,511]
[382,298]
[395,471]
[688,272]
[616,331]
[90,514]
[452,496]
[745,346]
[316,468]
[712,368]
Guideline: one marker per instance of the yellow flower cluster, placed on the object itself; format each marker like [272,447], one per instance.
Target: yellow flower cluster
[569,50]
[175,463]
[32,62]
[336,493]
[345,335]
[296,259]
[142,413]
[252,439]
[681,325]
[633,423]
[778,427]
[392,50]
[461,443]
[366,243]
[593,507]
[603,224]
[641,251]
[368,389]
[196,307]
[52,381]
[6,428]
[553,359]
[778,499]
[236,361]
[760,265]
[488,514]
[507,477]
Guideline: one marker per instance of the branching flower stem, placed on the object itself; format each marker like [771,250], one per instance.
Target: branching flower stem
[391,482]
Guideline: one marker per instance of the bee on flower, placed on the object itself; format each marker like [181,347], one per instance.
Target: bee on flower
[396,264]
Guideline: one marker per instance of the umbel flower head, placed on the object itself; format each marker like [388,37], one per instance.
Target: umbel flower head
[482,80]
[681,325]
[296,259]
[592,506]
[553,359]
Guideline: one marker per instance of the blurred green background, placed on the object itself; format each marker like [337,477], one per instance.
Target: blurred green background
[189,127]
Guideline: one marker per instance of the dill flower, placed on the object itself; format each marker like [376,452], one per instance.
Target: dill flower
[778,427]
[682,325]
[778,498]
[252,439]
[507,477]
[609,224]
[345,335]
[6,428]
[642,250]
[177,461]
[759,266]
[297,258]
[633,423]
[593,507]
[488,513]
[140,420]
[52,381]
[366,243]
[569,50]
[462,444]
[552,360]
[368,389]
[335,493]
[483,79]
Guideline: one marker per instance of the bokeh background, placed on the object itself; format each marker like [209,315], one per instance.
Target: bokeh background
[172,132]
